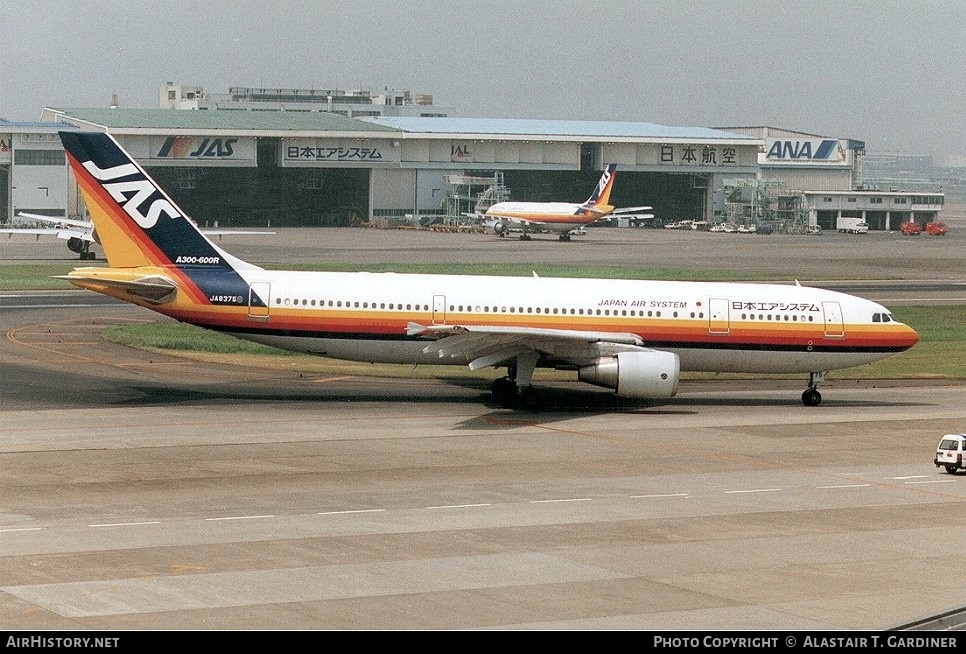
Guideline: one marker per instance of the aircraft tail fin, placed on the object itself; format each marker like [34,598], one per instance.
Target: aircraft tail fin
[135,221]
[601,194]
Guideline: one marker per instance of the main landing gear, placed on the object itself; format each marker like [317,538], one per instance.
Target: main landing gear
[811,396]
[515,390]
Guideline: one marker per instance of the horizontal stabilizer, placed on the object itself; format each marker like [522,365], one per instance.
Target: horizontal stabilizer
[150,288]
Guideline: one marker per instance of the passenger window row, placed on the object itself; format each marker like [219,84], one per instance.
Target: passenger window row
[777,317]
[556,311]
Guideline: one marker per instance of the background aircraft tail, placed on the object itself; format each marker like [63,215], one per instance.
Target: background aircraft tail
[601,194]
[135,221]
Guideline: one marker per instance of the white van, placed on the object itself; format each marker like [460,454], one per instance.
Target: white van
[951,452]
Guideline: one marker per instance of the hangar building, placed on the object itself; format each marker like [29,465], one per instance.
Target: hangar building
[808,179]
[314,168]
[248,168]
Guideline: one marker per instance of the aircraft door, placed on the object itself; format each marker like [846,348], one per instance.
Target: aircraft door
[834,324]
[259,294]
[439,309]
[719,321]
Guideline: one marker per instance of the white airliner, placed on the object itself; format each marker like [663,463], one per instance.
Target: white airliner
[563,218]
[631,336]
[80,234]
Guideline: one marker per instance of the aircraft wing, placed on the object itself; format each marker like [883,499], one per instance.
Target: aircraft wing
[224,232]
[88,227]
[53,220]
[39,231]
[492,345]
[51,231]
[632,209]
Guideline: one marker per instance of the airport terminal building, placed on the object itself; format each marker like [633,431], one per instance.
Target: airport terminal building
[320,164]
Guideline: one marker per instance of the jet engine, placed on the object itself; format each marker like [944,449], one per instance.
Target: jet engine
[646,375]
[77,245]
[500,228]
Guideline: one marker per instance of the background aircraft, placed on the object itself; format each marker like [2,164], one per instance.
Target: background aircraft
[563,218]
[80,234]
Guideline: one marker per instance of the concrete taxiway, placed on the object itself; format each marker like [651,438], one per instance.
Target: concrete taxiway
[143,491]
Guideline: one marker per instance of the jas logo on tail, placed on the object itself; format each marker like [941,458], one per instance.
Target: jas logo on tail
[133,193]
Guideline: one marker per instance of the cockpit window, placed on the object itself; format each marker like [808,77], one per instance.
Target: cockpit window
[884,317]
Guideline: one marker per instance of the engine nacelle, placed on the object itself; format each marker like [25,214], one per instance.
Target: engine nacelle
[645,375]
[75,244]
[500,228]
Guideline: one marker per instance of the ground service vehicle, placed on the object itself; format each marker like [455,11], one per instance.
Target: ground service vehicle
[911,228]
[852,225]
[950,452]
[936,229]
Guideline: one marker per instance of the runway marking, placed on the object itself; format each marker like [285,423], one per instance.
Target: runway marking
[572,499]
[441,576]
[60,343]
[325,380]
[126,524]
[351,511]
[240,517]
[54,306]
[637,497]
[913,480]
[908,477]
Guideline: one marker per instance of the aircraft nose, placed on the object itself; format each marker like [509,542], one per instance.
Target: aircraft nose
[909,337]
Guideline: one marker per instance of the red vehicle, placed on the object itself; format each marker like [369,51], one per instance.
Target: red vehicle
[910,228]
[936,229]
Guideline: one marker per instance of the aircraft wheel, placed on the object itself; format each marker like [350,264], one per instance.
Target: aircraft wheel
[504,392]
[529,398]
[811,397]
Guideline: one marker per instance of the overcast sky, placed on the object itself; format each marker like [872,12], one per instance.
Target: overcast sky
[892,74]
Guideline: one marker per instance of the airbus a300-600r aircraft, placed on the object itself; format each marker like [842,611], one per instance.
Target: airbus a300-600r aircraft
[80,234]
[559,217]
[632,336]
